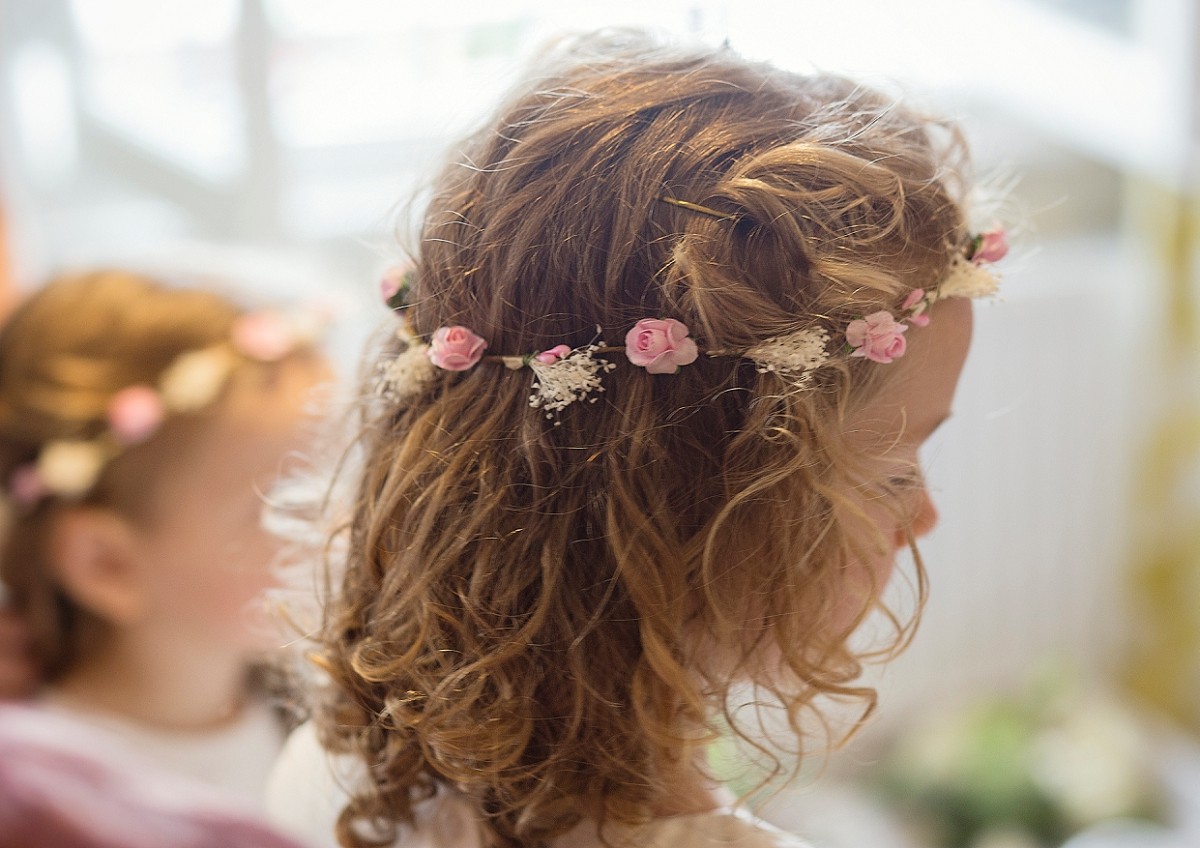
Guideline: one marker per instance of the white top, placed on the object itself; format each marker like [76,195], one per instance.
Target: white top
[306,791]
[235,757]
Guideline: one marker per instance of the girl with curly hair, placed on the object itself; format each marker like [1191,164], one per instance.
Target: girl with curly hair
[140,425]
[646,439]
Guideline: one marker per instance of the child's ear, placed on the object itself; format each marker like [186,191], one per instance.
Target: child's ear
[94,558]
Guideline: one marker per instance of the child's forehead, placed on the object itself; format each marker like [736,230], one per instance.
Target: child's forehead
[266,414]
[279,387]
[238,469]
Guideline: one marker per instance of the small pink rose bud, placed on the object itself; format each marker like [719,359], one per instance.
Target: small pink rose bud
[914,297]
[993,245]
[916,304]
[554,354]
[392,280]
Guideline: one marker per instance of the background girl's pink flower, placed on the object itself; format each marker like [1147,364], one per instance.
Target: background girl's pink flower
[879,337]
[26,486]
[993,245]
[660,345]
[455,348]
[134,413]
[265,336]
[549,357]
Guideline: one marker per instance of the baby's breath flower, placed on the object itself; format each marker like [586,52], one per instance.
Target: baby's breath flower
[406,374]
[793,356]
[70,468]
[558,384]
[967,279]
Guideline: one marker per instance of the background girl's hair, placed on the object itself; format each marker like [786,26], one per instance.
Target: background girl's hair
[63,355]
[538,617]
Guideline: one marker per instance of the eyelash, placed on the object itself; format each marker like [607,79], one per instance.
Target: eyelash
[911,479]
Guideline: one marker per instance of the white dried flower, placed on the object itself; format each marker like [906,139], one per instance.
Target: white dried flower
[70,468]
[406,374]
[558,384]
[194,380]
[793,356]
[967,279]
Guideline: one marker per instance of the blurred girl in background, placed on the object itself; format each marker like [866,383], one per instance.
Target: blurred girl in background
[140,428]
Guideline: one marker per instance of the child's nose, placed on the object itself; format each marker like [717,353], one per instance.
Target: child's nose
[924,519]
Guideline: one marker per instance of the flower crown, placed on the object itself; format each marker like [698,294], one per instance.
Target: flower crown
[69,468]
[563,375]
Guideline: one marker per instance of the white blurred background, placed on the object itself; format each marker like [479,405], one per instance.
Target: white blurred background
[273,140]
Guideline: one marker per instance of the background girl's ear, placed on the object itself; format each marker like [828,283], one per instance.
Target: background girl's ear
[93,555]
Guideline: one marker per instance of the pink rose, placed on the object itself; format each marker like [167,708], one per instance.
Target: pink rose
[134,413]
[26,486]
[392,280]
[879,337]
[455,348]
[554,354]
[265,336]
[660,345]
[992,247]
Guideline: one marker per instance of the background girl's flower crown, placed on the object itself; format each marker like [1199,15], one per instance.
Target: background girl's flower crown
[69,468]
[563,375]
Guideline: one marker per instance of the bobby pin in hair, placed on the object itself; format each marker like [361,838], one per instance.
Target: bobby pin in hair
[696,207]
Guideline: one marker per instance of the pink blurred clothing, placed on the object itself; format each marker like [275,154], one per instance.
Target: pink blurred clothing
[66,785]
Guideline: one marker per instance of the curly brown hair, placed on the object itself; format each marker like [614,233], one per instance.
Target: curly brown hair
[530,610]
